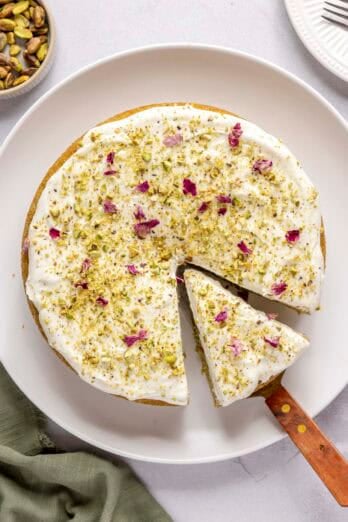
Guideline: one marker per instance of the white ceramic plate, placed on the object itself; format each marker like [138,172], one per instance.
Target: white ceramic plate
[326,41]
[259,91]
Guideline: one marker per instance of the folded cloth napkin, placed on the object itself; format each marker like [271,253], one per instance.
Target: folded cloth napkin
[40,484]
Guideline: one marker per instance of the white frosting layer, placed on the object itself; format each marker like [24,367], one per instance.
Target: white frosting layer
[236,375]
[265,206]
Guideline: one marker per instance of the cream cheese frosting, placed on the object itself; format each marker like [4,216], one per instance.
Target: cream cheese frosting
[243,347]
[143,195]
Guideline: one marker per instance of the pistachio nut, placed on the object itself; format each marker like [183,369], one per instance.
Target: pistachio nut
[9,80]
[3,41]
[6,24]
[21,21]
[20,7]
[16,64]
[10,38]
[42,30]
[21,79]
[29,71]
[6,11]
[14,50]
[3,2]
[31,59]
[42,52]
[33,3]
[33,45]
[3,72]
[2,85]
[39,16]
[23,32]
[4,59]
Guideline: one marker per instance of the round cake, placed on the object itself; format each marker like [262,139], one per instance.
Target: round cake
[141,194]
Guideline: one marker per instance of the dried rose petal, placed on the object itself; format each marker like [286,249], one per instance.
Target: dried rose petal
[262,165]
[139,213]
[144,228]
[101,301]
[143,187]
[224,199]
[85,265]
[221,316]
[81,284]
[110,172]
[54,233]
[234,135]
[25,246]
[203,207]
[189,187]
[292,236]
[172,140]
[132,269]
[273,341]
[279,288]
[271,316]
[131,339]
[236,346]
[244,248]
[222,211]
[110,158]
[109,207]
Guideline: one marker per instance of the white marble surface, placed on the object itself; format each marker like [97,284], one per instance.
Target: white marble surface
[275,483]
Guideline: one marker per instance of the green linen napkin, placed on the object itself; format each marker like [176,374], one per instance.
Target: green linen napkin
[39,484]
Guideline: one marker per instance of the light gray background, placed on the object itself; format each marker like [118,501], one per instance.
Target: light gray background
[276,483]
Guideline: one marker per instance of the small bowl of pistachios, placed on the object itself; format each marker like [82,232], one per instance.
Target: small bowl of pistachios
[27,38]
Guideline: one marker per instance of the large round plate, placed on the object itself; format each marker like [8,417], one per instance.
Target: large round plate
[328,42]
[259,91]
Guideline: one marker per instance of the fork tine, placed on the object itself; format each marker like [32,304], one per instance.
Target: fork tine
[335,6]
[339,15]
[340,22]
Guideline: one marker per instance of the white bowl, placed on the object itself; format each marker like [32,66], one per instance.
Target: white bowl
[256,90]
[34,80]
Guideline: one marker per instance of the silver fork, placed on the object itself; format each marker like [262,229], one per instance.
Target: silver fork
[336,11]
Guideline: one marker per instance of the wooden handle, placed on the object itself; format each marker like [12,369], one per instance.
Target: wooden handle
[325,459]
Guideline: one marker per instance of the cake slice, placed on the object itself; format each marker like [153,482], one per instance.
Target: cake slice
[244,348]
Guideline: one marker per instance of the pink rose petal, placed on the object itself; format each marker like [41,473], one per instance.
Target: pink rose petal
[221,316]
[203,207]
[110,158]
[189,187]
[81,284]
[101,301]
[25,246]
[236,346]
[234,135]
[244,248]
[54,233]
[86,264]
[224,199]
[292,236]
[279,288]
[222,211]
[109,207]
[262,165]
[139,213]
[273,341]
[143,187]
[131,339]
[132,269]
[172,140]
[110,172]
[271,316]
[144,228]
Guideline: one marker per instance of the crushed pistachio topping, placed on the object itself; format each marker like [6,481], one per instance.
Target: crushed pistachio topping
[143,195]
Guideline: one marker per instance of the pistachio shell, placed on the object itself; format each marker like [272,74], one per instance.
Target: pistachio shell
[31,59]
[3,41]
[21,21]
[7,25]
[39,16]
[42,52]
[42,30]
[21,79]
[6,11]
[20,7]
[10,38]
[4,59]
[14,50]
[9,80]
[23,33]
[29,71]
